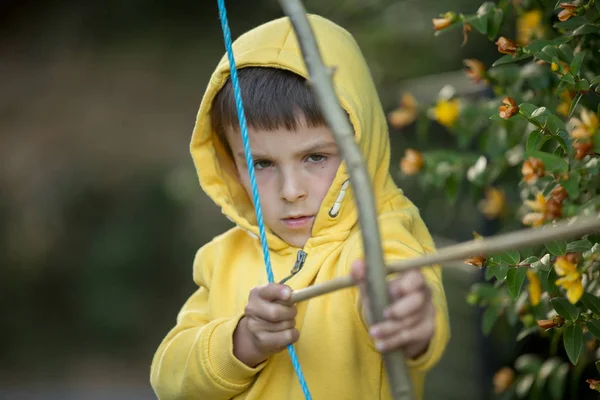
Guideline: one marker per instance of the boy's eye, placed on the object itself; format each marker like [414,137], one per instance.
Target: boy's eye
[262,164]
[316,158]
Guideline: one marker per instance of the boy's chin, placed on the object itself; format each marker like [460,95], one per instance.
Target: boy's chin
[294,239]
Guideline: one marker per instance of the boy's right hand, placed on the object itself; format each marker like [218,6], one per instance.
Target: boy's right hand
[268,325]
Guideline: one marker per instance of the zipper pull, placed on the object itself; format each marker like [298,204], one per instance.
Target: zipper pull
[300,259]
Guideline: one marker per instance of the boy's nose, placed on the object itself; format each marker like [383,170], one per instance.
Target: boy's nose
[293,187]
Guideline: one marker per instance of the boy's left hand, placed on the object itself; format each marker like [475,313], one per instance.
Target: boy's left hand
[409,319]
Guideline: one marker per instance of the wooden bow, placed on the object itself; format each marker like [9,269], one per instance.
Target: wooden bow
[322,84]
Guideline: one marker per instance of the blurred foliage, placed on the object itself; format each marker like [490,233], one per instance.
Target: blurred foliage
[527,151]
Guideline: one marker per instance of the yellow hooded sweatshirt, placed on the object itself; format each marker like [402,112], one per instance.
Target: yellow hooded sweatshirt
[338,358]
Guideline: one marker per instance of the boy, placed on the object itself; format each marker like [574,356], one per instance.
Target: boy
[231,334]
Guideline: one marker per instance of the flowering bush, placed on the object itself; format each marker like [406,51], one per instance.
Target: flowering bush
[534,138]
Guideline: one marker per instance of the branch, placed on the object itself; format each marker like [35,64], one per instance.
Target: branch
[525,238]
[322,84]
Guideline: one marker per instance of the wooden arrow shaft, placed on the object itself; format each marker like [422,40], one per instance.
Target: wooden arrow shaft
[525,238]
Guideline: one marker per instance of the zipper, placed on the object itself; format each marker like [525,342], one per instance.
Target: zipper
[300,259]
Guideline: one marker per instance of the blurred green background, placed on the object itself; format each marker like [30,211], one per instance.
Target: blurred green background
[100,209]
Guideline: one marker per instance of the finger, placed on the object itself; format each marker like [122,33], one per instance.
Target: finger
[412,340]
[410,281]
[412,303]
[272,292]
[389,327]
[358,271]
[275,341]
[256,324]
[270,312]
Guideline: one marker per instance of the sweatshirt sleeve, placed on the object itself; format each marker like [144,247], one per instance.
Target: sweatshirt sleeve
[196,360]
[403,238]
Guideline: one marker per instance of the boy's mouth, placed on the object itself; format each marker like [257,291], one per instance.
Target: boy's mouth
[297,222]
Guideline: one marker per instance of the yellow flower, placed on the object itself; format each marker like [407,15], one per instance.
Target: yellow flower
[494,203]
[585,127]
[571,278]
[508,108]
[594,384]
[532,169]
[445,21]
[538,208]
[447,111]
[412,162]
[503,379]
[529,26]
[535,288]
[506,46]
[474,69]
[564,106]
[568,10]
[406,113]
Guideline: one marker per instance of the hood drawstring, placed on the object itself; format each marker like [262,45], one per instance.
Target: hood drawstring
[335,209]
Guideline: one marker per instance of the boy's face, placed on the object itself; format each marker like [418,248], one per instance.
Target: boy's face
[294,170]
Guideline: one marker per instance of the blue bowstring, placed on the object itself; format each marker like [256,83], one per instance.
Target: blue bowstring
[250,162]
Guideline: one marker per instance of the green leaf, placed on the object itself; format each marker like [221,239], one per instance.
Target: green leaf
[574,104]
[560,144]
[571,185]
[489,274]
[500,272]
[562,85]
[552,162]
[549,281]
[594,327]
[564,308]
[537,45]
[526,332]
[480,22]
[527,109]
[568,78]
[598,6]
[572,23]
[591,302]
[533,140]
[511,257]
[485,291]
[573,341]
[583,85]
[557,382]
[523,384]
[557,247]
[566,52]
[528,364]
[495,22]
[586,30]
[490,316]
[577,62]
[548,53]
[508,58]
[514,281]
[529,261]
[579,246]
[596,80]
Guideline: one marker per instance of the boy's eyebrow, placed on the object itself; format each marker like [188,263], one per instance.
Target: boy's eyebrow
[316,147]
[310,148]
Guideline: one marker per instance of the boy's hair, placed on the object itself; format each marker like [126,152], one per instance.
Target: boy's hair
[273,98]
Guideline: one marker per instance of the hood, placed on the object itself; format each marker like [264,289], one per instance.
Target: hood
[274,44]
